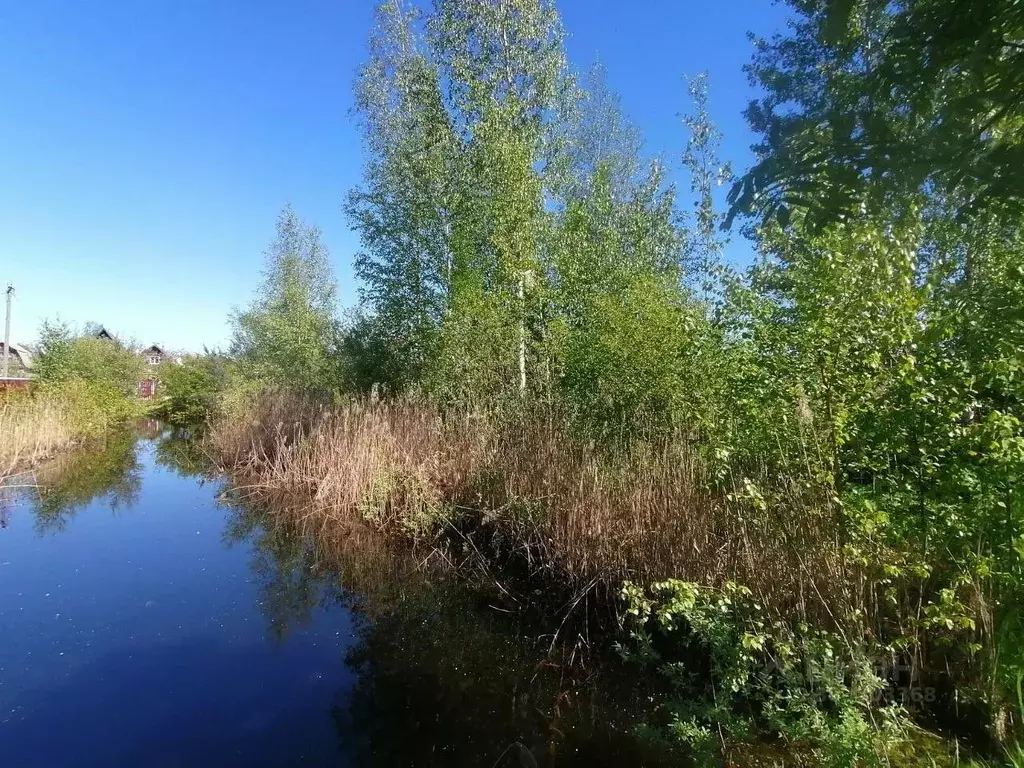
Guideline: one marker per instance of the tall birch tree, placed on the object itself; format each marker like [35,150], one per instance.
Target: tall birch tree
[288,334]
[404,210]
[505,65]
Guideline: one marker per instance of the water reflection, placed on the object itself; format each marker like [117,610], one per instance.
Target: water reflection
[402,664]
[107,469]
[282,563]
[443,677]
[464,688]
[292,584]
[180,450]
[142,635]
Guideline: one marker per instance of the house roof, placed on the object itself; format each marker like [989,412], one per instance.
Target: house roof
[153,348]
[103,333]
[23,354]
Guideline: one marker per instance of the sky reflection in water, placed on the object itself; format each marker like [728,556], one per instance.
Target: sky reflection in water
[144,620]
[135,630]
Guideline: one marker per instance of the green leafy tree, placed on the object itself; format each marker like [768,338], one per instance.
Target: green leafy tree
[66,356]
[288,336]
[406,207]
[707,172]
[456,109]
[505,62]
[622,319]
[889,209]
[594,136]
[871,100]
[190,390]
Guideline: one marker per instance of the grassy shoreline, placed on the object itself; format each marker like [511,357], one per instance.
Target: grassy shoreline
[579,512]
[636,545]
[34,429]
[48,420]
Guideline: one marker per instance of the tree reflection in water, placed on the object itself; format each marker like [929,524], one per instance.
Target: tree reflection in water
[179,451]
[445,682]
[292,583]
[444,679]
[107,469]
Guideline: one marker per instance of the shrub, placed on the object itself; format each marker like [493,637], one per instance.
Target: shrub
[192,390]
[735,671]
[65,356]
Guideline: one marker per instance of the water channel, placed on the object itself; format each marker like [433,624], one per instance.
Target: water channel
[149,617]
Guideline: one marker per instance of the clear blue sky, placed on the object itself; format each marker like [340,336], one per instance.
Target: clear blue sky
[146,146]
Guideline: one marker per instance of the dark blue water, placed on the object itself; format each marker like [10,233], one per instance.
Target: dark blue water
[149,618]
[143,624]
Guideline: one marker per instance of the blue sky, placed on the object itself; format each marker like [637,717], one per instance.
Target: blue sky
[146,146]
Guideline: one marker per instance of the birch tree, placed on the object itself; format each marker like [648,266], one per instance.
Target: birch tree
[505,65]
[404,210]
[593,136]
[288,334]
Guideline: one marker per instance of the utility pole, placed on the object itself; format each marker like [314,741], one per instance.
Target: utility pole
[7,330]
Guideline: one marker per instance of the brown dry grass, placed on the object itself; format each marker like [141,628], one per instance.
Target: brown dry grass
[582,513]
[31,429]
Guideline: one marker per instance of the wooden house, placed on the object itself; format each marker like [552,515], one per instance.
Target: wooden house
[19,361]
[154,355]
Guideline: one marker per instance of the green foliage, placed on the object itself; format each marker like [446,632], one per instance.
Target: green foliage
[239,396]
[594,138]
[869,362]
[190,391]
[864,379]
[289,335]
[93,382]
[407,206]
[1014,758]
[65,356]
[883,100]
[707,172]
[372,356]
[622,323]
[451,211]
[95,407]
[513,244]
[734,672]
[884,323]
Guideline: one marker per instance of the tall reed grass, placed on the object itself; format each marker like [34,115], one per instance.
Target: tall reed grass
[36,424]
[580,512]
[32,428]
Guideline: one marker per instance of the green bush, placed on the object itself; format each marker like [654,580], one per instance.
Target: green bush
[734,672]
[191,391]
[93,382]
[93,406]
[65,356]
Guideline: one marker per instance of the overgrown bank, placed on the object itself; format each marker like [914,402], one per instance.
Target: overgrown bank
[584,511]
[84,388]
[40,423]
[798,481]
[750,610]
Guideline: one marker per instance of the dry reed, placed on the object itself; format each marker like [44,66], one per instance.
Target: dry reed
[582,513]
[31,429]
